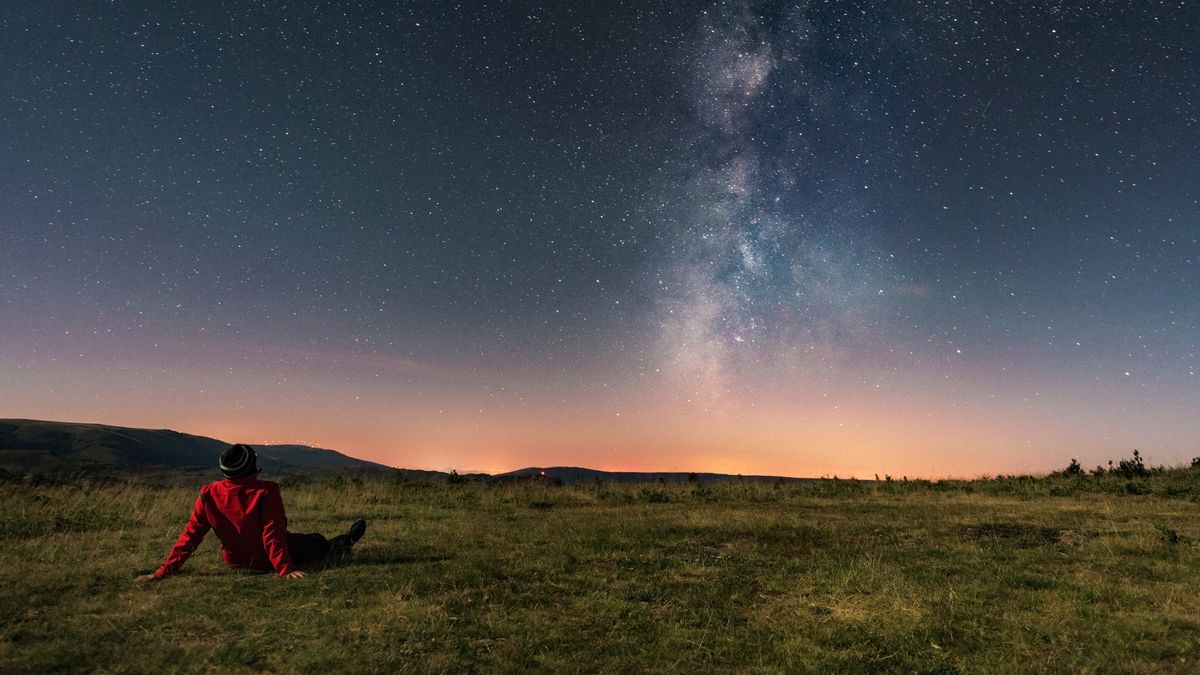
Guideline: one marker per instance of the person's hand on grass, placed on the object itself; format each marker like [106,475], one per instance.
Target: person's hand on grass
[145,578]
[295,575]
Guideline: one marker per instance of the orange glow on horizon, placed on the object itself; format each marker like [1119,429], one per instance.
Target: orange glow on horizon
[923,430]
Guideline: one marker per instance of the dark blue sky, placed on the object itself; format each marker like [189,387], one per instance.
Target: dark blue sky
[713,204]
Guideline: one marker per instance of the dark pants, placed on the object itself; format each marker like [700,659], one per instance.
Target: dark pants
[306,548]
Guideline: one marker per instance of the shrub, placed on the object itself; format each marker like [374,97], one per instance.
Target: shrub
[655,495]
[1073,470]
[1132,468]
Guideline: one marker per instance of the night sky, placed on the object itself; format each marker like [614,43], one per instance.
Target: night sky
[814,238]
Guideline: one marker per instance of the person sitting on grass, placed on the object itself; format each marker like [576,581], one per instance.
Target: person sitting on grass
[247,515]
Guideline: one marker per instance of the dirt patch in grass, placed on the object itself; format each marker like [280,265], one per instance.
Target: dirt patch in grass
[1021,534]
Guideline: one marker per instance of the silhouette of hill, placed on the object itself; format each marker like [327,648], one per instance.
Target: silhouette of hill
[50,448]
[574,474]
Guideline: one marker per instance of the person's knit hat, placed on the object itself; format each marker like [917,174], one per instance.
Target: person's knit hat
[239,460]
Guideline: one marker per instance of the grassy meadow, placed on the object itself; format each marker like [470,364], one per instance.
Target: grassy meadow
[1074,573]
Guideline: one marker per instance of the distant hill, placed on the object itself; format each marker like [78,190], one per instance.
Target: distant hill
[72,449]
[55,448]
[574,475]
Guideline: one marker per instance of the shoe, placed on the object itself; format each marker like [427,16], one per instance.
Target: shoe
[343,542]
[357,529]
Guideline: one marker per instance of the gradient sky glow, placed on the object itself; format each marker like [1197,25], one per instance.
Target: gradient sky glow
[799,238]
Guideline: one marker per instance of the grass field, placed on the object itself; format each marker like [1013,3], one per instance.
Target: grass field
[835,575]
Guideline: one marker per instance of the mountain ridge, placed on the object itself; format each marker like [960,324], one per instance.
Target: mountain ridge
[577,474]
[52,447]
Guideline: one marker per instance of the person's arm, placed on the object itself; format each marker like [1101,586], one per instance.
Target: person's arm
[193,533]
[274,532]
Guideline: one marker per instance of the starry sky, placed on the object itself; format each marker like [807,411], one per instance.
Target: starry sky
[800,238]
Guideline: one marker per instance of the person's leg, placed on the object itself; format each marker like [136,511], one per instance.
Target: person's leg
[306,548]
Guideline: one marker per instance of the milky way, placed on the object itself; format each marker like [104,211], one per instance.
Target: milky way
[773,268]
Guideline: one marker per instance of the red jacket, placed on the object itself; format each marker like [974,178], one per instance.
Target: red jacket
[247,515]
